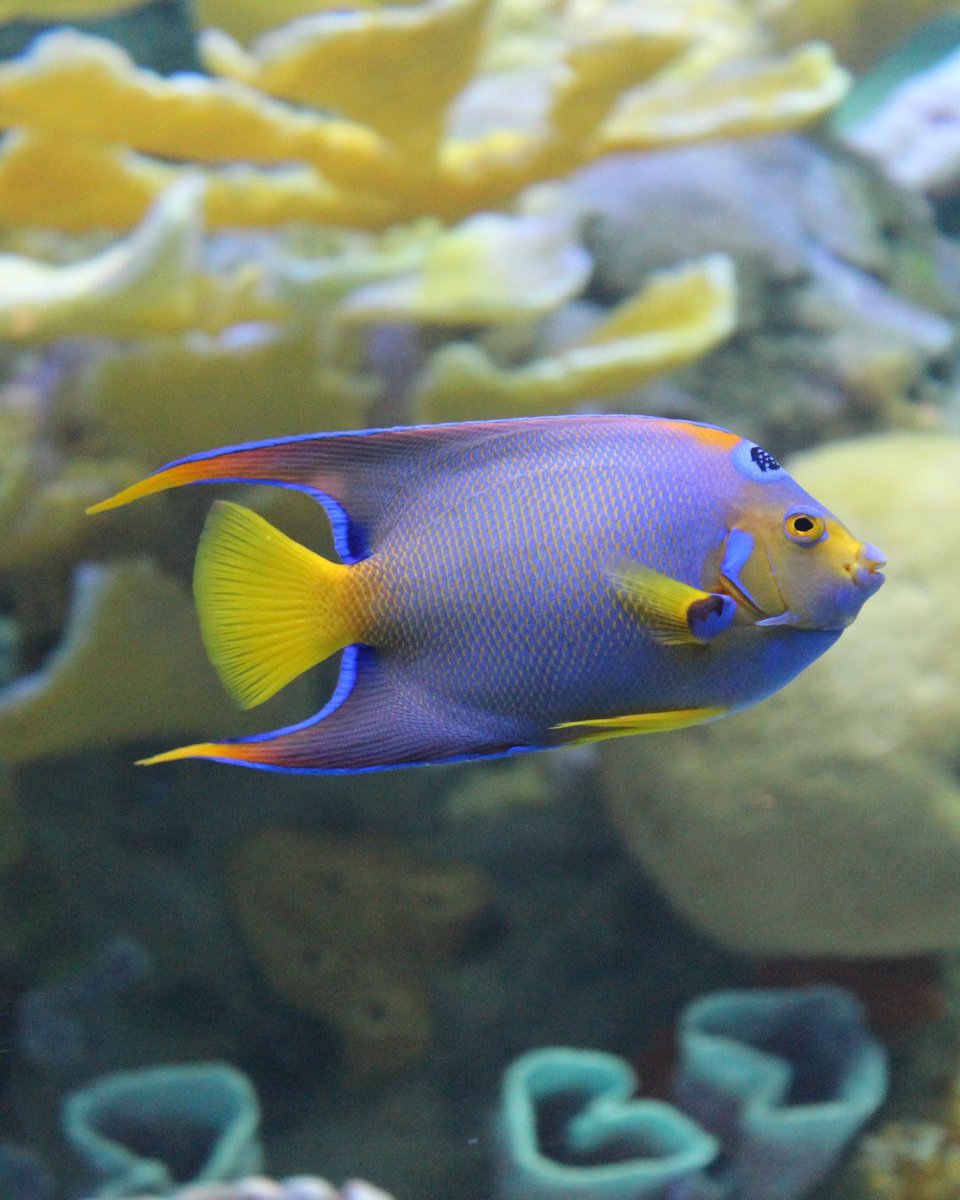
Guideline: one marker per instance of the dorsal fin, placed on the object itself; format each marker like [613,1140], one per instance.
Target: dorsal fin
[357,476]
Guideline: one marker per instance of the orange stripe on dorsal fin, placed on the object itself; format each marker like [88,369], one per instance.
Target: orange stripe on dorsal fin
[708,435]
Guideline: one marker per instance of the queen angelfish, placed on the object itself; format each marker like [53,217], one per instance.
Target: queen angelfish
[513,585]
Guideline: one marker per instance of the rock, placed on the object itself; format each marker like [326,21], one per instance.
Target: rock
[826,821]
[846,296]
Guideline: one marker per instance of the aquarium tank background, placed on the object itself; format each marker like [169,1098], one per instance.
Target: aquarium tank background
[712,964]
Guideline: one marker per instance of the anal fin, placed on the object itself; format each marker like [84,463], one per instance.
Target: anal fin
[377,718]
[651,722]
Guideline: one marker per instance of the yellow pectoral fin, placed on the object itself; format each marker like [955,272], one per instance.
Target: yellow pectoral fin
[675,613]
[651,722]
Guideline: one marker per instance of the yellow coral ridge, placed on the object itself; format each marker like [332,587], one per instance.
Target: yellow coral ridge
[396,69]
[245,20]
[143,283]
[63,10]
[676,317]
[81,87]
[772,95]
[77,186]
[147,394]
[148,283]
[490,269]
[86,119]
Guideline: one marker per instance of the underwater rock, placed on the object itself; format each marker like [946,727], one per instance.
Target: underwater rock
[567,1127]
[847,297]
[826,821]
[153,1129]
[914,133]
[354,933]
[785,1079]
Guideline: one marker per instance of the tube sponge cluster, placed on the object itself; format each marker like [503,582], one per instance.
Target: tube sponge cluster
[771,1087]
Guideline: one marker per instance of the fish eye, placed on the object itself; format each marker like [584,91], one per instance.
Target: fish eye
[805,528]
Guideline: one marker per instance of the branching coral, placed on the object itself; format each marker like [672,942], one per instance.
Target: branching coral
[388,154]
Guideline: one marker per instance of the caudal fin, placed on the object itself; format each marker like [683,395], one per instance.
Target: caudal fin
[269,608]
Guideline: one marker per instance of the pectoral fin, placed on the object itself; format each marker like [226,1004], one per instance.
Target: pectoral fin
[675,613]
[651,722]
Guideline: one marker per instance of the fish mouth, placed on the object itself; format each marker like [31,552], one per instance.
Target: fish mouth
[865,571]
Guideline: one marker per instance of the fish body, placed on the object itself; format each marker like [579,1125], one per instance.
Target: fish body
[519,584]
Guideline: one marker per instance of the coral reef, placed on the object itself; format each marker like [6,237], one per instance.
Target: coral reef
[378,161]
[249,235]
[777,1082]
[353,933]
[850,832]
[129,665]
[154,1128]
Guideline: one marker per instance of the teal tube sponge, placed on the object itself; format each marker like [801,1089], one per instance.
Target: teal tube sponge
[771,1086]
[783,1078]
[568,1128]
[153,1130]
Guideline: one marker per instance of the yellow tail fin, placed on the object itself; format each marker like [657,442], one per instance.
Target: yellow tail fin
[269,608]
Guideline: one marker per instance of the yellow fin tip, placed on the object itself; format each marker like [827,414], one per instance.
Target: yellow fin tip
[198,750]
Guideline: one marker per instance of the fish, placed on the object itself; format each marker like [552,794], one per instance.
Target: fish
[513,585]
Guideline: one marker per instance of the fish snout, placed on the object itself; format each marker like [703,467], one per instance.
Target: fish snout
[865,570]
